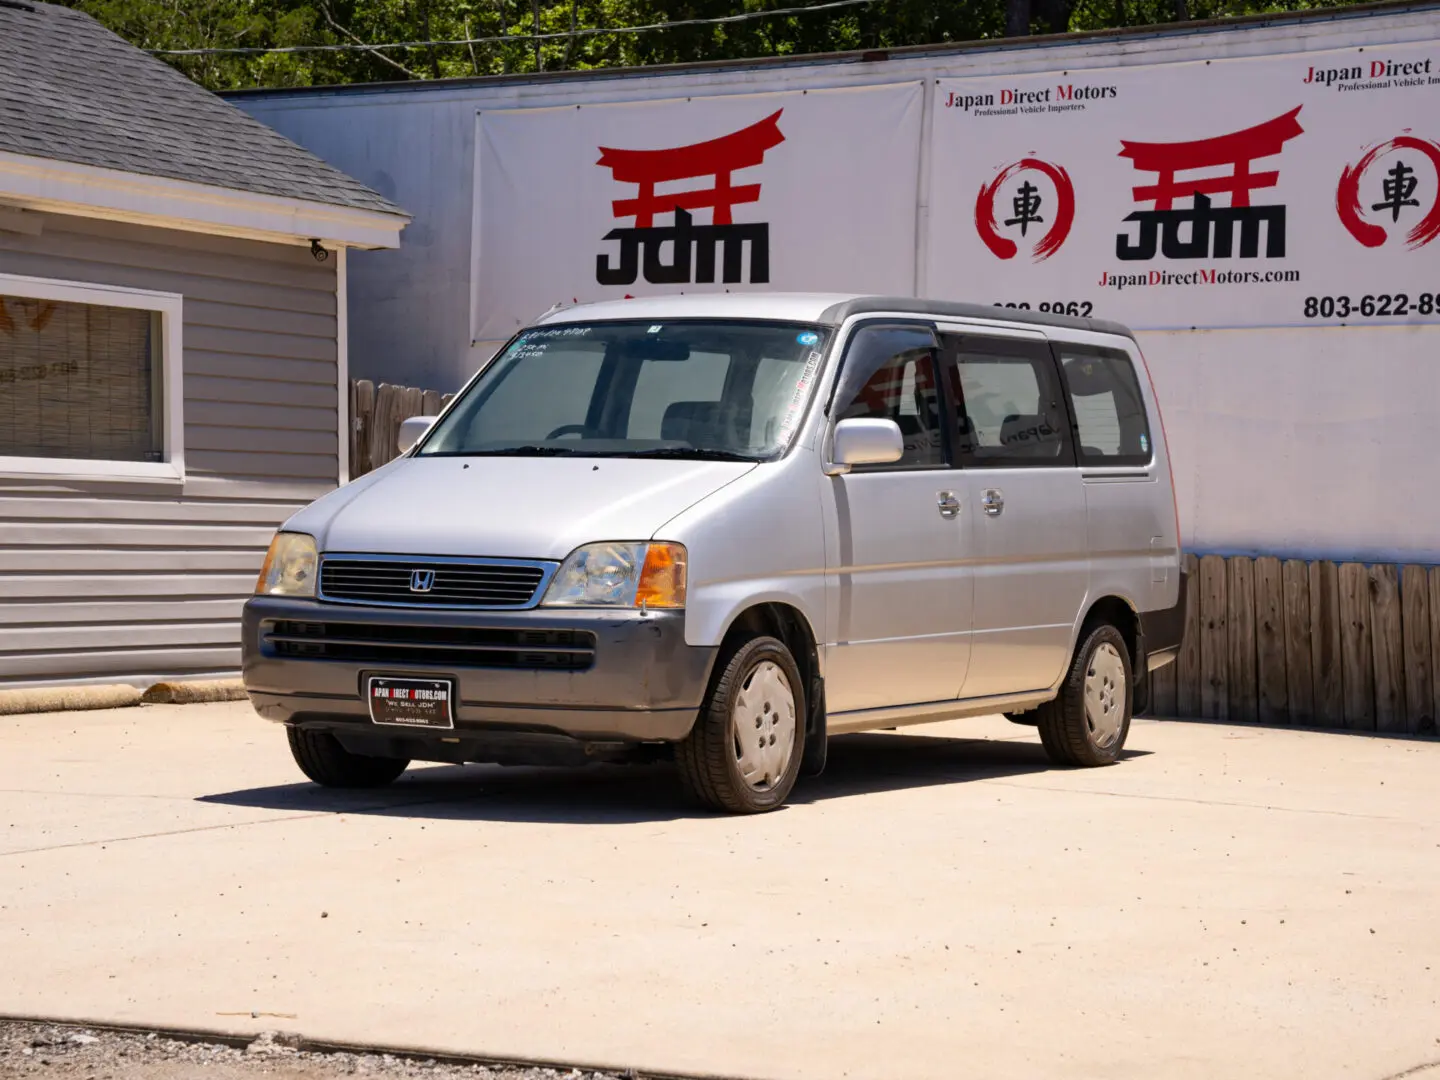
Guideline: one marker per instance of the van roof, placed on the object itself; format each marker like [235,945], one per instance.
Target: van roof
[826,309]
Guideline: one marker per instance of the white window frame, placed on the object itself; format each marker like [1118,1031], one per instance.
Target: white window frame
[171,307]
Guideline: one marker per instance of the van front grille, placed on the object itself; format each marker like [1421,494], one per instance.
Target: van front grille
[430,583]
[431,646]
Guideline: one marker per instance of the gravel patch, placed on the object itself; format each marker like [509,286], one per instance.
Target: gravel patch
[68,1052]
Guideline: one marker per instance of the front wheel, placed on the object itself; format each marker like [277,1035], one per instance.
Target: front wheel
[1088,722]
[322,758]
[745,750]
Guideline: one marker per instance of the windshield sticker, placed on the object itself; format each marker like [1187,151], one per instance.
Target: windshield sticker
[557,332]
[797,398]
[808,338]
[654,329]
[522,350]
[1144,444]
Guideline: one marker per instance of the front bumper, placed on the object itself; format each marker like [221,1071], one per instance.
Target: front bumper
[643,683]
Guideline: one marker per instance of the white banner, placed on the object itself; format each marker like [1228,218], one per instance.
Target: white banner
[1290,190]
[808,191]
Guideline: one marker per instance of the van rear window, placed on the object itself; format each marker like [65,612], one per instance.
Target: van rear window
[1109,411]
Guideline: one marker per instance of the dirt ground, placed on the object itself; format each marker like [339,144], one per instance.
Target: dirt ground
[1226,902]
[64,1052]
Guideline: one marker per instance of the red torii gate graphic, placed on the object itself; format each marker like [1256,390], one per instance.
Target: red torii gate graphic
[717,158]
[1212,229]
[1237,149]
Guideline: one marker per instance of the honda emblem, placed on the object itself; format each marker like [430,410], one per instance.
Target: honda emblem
[422,580]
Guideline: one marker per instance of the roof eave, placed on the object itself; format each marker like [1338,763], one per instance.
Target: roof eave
[69,188]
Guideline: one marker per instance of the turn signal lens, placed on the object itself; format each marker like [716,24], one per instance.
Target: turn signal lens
[662,581]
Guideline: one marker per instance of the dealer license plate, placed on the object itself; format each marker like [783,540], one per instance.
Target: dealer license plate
[415,703]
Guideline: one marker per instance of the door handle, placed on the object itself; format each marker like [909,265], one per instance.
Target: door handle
[993,502]
[948,504]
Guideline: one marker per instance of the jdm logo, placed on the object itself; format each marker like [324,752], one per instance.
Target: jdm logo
[693,255]
[1372,201]
[1211,229]
[1040,216]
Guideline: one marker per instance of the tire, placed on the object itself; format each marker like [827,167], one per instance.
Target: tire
[322,758]
[758,690]
[1074,734]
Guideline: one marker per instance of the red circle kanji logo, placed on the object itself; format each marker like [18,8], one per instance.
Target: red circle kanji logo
[1027,210]
[1398,190]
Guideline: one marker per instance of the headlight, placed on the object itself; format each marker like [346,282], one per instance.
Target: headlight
[620,575]
[289,568]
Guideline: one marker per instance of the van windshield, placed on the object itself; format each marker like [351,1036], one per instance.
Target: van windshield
[727,390]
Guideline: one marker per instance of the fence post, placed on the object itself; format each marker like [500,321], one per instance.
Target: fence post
[362,422]
[1388,648]
[1419,674]
[1187,667]
[1325,644]
[1299,677]
[1271,685]
[1240,621]
[1357,654]
[1214,642]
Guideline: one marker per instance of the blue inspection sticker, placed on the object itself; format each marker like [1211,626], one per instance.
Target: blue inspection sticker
[808,338]
[1144,444]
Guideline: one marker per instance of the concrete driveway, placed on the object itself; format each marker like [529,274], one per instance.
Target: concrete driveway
[1226,902]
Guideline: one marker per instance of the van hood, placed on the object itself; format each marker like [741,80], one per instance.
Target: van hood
[508,507]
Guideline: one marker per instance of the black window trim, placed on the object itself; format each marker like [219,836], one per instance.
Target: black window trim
[1031,348]
[1127,461]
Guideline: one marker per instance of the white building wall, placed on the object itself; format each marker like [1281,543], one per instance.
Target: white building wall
[1308,442]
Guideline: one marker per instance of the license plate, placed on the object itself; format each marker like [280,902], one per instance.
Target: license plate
[415,703]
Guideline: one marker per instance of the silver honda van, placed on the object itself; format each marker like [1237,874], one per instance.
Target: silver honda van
[721,529]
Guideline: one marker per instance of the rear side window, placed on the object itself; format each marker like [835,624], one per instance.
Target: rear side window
[1104,393]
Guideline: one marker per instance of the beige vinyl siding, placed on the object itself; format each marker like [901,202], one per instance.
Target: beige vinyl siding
[133,581]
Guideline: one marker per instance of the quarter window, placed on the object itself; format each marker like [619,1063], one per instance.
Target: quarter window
[1109,411]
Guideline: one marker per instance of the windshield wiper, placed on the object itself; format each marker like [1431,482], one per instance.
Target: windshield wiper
[693,453]
[524,450]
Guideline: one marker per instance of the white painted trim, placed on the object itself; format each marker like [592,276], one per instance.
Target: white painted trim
[68,188]
[342,363]
[171,307]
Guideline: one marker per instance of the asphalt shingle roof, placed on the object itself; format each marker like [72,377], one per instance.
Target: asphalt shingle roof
[70,90]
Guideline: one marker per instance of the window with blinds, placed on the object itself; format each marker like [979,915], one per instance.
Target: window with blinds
[79,381]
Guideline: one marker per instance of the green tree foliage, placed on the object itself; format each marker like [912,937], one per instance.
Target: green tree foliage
[272,24]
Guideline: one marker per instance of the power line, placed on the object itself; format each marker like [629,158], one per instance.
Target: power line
[513,38]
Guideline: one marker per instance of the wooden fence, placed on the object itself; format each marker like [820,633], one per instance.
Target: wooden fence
[1317,644]
[375,415]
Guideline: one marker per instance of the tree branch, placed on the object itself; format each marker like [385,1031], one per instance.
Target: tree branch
[325,10]
[474,64]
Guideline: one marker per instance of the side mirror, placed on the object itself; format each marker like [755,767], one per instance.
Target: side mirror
[411,429]
[865,442]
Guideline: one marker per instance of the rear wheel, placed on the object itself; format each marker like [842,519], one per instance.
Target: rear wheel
[322,758]
[745,750]
[1088,722]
